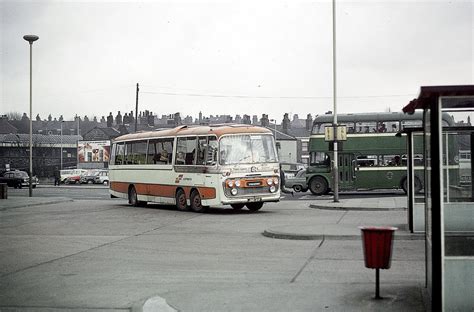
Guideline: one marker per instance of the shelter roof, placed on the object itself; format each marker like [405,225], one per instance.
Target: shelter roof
[429,95]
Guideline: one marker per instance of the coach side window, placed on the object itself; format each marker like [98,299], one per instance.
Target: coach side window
[201,151]
[119,149]
[186,151]
[135,153]
[211,157]
[160,151]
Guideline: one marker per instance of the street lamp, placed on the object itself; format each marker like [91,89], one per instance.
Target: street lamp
[61,166]
[275,130]
[31,39]
[334,97]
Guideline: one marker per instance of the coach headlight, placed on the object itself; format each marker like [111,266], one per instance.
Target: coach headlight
[273,189]
[233,191]
[237,183]
[276,181]
[270,181]
[230,183]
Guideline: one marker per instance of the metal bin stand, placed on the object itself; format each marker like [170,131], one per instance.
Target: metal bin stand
[377,244]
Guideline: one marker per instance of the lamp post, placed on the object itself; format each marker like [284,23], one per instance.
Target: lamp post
[31,39]
[334,80]
[275,127]
[61,166]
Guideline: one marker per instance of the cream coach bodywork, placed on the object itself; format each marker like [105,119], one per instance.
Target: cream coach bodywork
[159,183]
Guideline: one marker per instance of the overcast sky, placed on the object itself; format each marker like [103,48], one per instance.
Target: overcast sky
[230,57]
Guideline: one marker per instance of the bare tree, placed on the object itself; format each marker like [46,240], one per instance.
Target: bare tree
[13,115]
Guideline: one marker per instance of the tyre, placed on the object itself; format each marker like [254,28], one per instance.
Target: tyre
[254,206]
[418,185]
[181,200]
[133,197]
[237,206]
[297,188]
[318,186]
[196,203]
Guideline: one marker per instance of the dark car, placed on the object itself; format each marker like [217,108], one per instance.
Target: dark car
[18,179]
[298,182]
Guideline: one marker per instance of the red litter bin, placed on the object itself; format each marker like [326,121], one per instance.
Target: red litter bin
[377,244]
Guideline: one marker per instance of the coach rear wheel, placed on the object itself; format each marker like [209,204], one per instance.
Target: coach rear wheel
[133,198]
[318,186]
[237,206]
[181,200]
[196,204]
[254,206]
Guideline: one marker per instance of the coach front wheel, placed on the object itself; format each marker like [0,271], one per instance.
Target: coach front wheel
[237,206]
[254,206]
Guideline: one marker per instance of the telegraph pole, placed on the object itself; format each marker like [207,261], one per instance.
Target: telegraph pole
[136,109]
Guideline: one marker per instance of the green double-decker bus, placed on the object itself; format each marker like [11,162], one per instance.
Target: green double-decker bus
[374,156]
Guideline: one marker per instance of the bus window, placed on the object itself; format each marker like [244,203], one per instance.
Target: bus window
[319,128]
[211,158]
[320,159]
[160,151]
[390,160]
[247,149]
[366,127]
[119,157]
[201,150]
[411,123]
[135,153]
[367,161]
[186,151]
[206,151]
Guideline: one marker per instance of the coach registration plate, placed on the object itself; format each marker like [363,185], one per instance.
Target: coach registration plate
[254,199]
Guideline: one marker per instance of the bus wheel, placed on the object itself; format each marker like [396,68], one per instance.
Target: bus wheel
[318,186]
[418,185]
[196,204]
[237,206]
[132,196]
[254,206]
[181,200]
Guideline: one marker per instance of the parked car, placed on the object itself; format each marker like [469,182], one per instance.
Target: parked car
[102,177]
[67,173]
[298,182]
[89,177]
[18,179]
[291,169]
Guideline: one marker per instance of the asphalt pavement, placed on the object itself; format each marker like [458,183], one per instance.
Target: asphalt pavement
[301,255]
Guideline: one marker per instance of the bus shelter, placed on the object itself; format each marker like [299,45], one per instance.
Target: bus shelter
[448,195]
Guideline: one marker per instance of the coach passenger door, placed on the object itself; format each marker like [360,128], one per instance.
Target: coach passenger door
[347,165]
